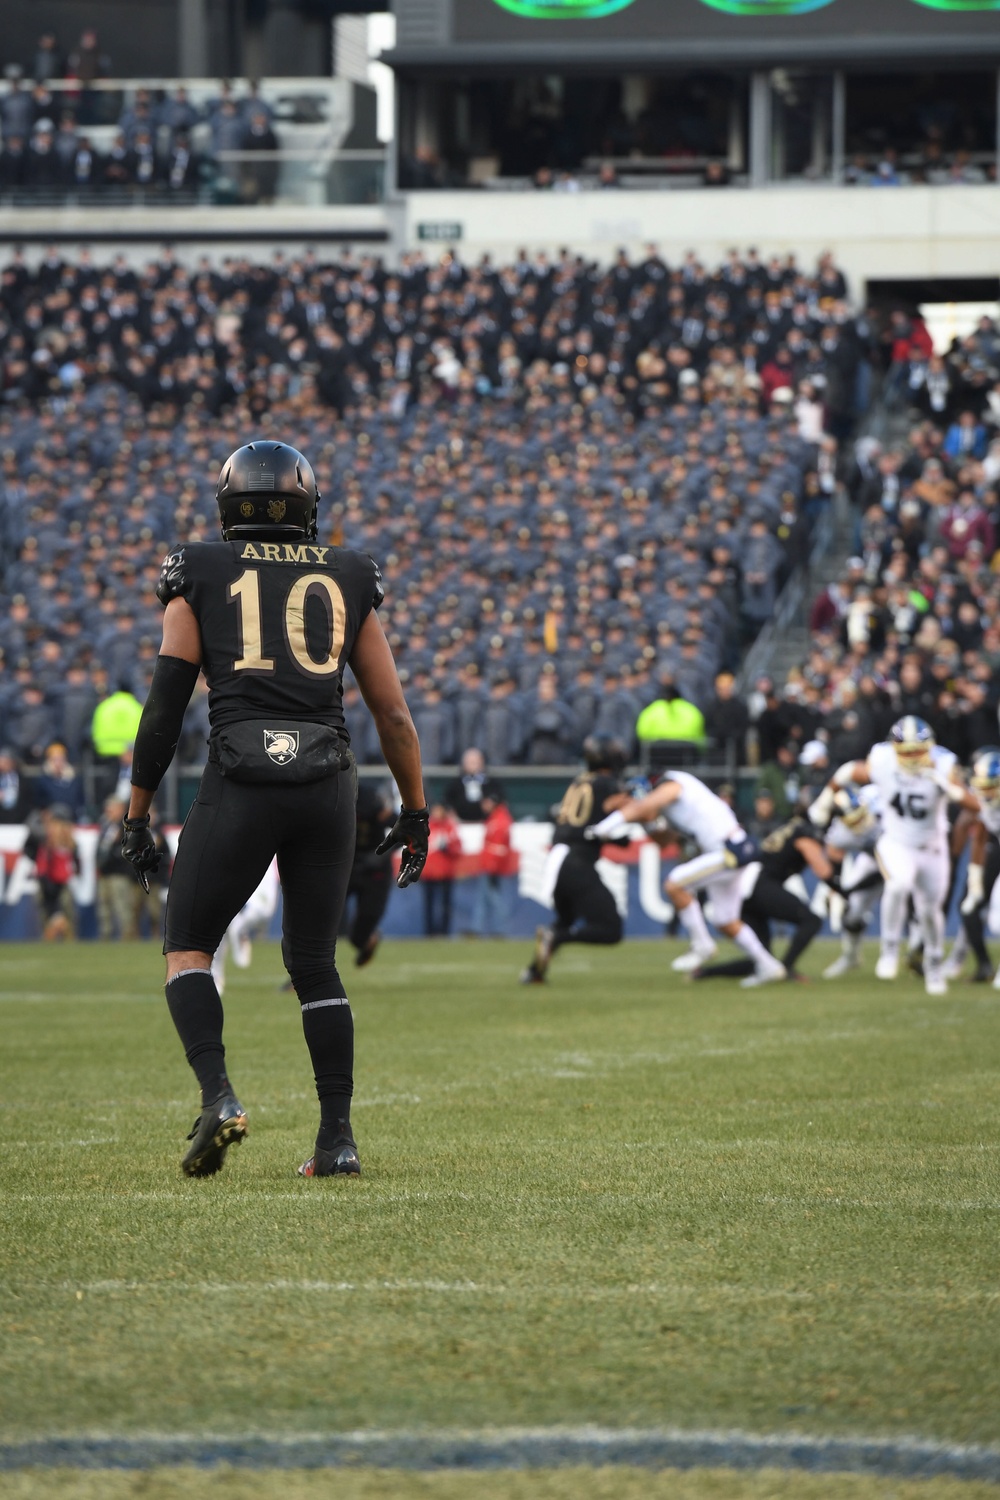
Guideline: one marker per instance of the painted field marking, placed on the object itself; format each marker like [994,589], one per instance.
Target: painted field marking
[516,1448]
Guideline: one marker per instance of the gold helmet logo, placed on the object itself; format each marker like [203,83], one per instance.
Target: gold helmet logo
[276,510]
[246,509]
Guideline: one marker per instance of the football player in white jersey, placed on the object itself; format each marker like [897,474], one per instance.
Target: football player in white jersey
[917,779]
[851,839]
[719,870]
[251,919]
[982,887]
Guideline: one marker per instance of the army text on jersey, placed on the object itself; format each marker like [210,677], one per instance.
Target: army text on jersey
[278,622]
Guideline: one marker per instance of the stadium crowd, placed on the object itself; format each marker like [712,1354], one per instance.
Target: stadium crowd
[164,143]
[913,626]
[581,482]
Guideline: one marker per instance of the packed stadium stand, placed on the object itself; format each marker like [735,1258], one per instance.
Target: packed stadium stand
[589,472]
[579,481]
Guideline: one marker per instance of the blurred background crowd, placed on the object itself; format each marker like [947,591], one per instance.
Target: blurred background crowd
[585,485]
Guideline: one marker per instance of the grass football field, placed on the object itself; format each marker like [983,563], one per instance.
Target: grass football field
[622,1201]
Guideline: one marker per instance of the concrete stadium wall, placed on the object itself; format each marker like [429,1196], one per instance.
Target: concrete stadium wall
[137,232]
[874,233]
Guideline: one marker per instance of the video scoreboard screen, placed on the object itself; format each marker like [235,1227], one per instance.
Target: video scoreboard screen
[598,21]
[539,33]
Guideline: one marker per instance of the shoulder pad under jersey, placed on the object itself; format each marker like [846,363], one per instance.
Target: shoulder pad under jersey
[173,578]
[379,594]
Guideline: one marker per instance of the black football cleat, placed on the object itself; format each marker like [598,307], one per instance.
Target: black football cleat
[219,1126]
[983,974]
[341,1160]
[915,962]
[367,953]
[538,969]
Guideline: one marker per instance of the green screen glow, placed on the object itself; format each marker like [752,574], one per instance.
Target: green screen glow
[961,4]
[563,10]
[766,7]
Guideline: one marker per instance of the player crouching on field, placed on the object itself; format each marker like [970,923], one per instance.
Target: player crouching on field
[720,869]
[917,779]
[785,853]
[585,910]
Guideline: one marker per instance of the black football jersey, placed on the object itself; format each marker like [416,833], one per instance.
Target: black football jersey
[278,622]
[779,856]
[582,806]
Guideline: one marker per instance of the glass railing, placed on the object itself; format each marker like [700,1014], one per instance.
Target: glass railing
[143,143]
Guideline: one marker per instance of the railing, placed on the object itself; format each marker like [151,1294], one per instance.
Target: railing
[311,119]
[789,607]
[531,790]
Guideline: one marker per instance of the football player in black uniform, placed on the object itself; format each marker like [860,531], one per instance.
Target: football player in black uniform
[370,874]
[585,908]
[787,851]
[271,617]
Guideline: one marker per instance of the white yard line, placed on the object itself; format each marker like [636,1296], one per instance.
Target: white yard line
[516,1448]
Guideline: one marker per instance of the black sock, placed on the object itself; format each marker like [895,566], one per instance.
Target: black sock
[973,924]
[329,1031]
[801,938]
[196,1011]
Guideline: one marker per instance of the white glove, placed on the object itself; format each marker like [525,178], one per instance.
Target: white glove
[953,790]
[974,892]
[611,827]
[822,810]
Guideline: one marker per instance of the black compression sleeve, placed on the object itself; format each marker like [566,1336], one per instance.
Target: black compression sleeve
[160,726]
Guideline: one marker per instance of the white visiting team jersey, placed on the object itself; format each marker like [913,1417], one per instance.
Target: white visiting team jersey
[857,840]
[989,814]
[914,803]
[699,813]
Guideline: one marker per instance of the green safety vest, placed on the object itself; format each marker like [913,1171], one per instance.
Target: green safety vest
[676,720]
[114,724]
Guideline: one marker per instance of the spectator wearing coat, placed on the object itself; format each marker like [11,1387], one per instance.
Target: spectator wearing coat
[467,793]
[15,802]
[550,724]
[727,720]
[115,878]
[51,843]
[17,111]
[59,783]
[965,438]
[966,524]
[498,866]
[438,879]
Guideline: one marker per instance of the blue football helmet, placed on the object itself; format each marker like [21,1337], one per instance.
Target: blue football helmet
[913,740]
[853,811]
[986,775]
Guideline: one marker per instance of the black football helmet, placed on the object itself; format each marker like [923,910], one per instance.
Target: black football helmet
[267,489]
[602,752]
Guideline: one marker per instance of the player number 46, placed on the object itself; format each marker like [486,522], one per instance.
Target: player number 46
[910,806]
[244,592]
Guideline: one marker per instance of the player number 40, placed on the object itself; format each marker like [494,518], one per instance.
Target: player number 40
[244,592]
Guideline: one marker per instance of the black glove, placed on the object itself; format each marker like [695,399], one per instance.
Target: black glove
[139,848]
[412,830]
